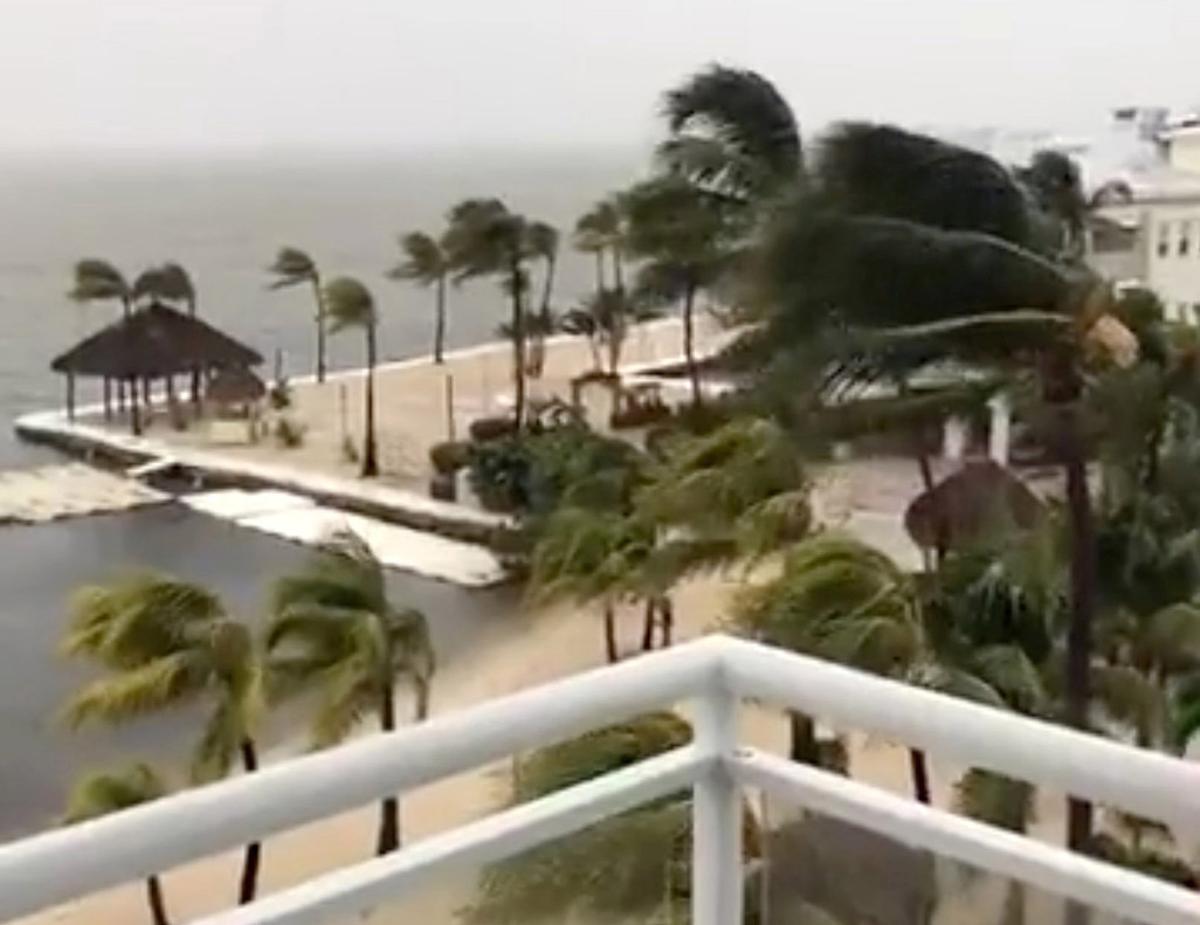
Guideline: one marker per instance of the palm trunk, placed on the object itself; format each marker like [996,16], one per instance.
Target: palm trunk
[919,768]
[611,649]
[316,284]
[196,370]
[518,334]
[600,270]
[618,281]
[389,808]
[1083,588]
[538,361]
[651,610]
[689,337]
[803,747]
[154,898]
[252,861]
[370,462]
[666,613]
[439,330]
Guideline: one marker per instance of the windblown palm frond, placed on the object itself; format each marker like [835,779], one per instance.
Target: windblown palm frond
[626,866]
[425,260]
[996,799]
[292,267]
[104,792]
[168,681]
[883,171]
[348,304]
[96,280]
[732,129]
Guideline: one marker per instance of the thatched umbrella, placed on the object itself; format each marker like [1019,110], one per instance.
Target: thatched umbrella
[970,505]
[156,342]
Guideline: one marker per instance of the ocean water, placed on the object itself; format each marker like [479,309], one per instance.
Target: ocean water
[224,221]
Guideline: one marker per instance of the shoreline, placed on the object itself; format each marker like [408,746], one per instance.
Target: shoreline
[412,407]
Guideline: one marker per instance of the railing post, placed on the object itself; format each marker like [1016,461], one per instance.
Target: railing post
[716,818]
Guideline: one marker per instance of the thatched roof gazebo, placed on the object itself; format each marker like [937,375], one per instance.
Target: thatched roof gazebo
[970,505]
[156,342]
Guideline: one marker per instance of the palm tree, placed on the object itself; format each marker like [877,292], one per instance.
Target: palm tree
[334,631]
[950,233]
[543,244]
[599,230]
[165,643]
[96,280]
[733,134]
[844,601]
[349,304]
[170,283]
[590,555]
[682,235]
[294,267]
[103,793]
[626,869]
[1053,179]
[486,239]
[427,264]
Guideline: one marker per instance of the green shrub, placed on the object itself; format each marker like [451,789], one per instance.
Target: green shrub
[449,456]
[279,396]
[289,434]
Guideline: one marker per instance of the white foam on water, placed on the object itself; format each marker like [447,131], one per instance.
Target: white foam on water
[294,517]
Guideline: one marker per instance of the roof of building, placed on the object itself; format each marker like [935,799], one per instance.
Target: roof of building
[154,341]
[235,385]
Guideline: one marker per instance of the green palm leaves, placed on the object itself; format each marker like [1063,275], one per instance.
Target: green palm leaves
[293,267]
[426,263]
[334,632]
[164,643]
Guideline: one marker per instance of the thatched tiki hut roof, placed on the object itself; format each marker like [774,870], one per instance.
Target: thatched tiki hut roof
[970,506]
[153,343]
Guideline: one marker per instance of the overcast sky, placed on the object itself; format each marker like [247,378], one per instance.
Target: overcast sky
[350,74]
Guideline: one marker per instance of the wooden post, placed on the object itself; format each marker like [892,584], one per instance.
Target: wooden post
[107,399]
[450,429]
[71,397]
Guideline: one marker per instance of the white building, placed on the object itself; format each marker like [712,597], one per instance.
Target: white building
[1146,173]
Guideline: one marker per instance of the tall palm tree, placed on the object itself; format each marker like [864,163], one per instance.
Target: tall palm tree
[165,643]
[602,229]
[543,241]
[427,264]
[682,236]
[486,239]
[96,280]
[733,134]
[334,631]
[591,556]
[103,793]
[950,232]
[349,304]
[170,282]
[293,267]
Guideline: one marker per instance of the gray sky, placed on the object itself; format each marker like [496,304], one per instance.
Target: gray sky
[242,74]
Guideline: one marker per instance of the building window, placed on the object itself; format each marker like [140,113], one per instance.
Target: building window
[1164,239]
[1185,238]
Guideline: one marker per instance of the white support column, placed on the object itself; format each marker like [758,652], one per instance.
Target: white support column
[717,873]
[1000,431]
[954,439]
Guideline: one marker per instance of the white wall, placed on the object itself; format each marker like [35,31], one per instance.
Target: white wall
[1184,150]
[1173,235]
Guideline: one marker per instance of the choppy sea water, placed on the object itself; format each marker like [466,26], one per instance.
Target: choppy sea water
[224,221]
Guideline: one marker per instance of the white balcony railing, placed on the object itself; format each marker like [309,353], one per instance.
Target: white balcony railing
[715,674]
